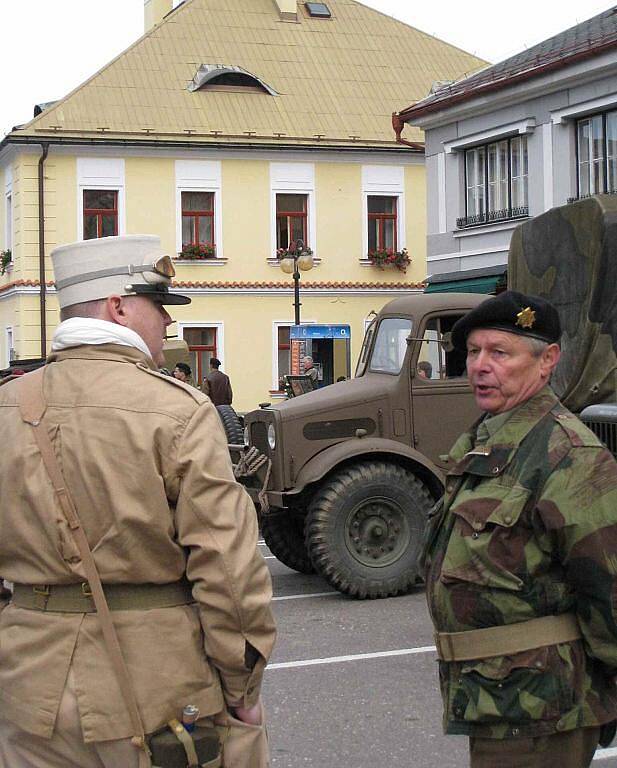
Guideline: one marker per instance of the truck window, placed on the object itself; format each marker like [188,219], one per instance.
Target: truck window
[434,361]
[366,346]
[390,345]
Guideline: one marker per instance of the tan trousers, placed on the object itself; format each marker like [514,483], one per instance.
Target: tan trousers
[244,746]
[573,749]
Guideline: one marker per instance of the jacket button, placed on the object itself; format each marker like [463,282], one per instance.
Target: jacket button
[495,470]
[515,731]
[507,520]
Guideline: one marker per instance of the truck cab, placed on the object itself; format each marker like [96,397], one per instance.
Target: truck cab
[353,468]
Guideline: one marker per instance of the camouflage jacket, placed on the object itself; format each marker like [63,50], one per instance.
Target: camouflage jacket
[528,528]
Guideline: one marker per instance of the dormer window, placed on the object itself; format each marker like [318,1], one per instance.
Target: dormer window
[318,10]
[217,77]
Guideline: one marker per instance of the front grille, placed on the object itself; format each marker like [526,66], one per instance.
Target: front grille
[605,431]
[259,437]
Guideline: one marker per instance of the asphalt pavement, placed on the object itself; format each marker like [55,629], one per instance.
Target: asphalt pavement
[353,683]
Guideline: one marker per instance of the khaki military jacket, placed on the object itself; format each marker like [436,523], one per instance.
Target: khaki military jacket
[528,528]
[146,460]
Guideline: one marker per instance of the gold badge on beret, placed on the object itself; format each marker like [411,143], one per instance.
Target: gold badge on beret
[526,318]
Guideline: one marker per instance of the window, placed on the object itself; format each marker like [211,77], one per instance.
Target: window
[284,355]
[390,345]
[435,359]
[318,10]
[291,219]
[197,218]
[382,222]
[100,213]
[597,154]
[496,181]
[202,343]
[8,232]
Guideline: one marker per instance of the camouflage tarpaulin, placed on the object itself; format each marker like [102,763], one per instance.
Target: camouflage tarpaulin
[569,256]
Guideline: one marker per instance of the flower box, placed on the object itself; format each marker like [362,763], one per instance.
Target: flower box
[388,257]
[197,252]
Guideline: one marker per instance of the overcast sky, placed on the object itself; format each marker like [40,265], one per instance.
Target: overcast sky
[51,46]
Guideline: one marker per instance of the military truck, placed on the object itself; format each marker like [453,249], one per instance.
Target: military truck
[353,468]
[568,255]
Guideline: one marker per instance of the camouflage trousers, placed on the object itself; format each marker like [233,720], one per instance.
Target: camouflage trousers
[573,749]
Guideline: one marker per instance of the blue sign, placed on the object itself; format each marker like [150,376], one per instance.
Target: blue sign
[320,332]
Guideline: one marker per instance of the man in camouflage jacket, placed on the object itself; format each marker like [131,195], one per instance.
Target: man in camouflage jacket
[525,536]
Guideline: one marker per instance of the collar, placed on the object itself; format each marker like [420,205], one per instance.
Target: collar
[116,353]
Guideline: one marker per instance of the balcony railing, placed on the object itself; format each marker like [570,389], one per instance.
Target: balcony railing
[584,197]
[490,217]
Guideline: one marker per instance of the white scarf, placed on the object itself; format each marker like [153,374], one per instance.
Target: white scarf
[87,330]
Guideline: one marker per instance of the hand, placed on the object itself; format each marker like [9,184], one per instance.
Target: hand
[249,715]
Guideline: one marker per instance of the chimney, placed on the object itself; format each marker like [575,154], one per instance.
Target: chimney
[288,9]
[154,11]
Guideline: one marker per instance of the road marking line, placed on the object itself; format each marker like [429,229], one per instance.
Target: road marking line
[261,543]
[604,754]
[269,557]
[299,597]
[354,657]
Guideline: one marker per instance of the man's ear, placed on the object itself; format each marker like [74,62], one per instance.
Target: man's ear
[115,309]
[550,358]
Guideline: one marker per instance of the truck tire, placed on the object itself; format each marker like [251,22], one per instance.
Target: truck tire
[284,535]
[364,529]
[231,424]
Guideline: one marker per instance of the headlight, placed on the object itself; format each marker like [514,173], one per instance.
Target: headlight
[246,438]
[271,437]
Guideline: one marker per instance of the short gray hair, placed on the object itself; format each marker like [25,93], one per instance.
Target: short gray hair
[536,346]
[92,309]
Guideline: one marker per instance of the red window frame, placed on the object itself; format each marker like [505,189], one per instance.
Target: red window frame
[282,347]
[199,373]
[98,213]
[194,216]
[289,216]
[381,218]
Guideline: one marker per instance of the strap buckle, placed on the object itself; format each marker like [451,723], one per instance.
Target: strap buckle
[85,588]
[43,589]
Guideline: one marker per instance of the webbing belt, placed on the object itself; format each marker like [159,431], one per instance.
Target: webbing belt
[508,639]
[77,598]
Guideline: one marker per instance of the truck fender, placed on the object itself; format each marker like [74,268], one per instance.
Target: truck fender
[368,447]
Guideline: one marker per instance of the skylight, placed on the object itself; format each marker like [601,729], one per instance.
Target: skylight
[319,10]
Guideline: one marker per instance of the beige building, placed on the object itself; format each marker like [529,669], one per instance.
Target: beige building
[232,129]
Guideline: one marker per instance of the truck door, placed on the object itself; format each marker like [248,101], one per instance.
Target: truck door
[442,402]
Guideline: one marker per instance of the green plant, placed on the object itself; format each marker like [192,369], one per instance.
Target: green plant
[198,252]
[388,257]
[295,249]
[6,258]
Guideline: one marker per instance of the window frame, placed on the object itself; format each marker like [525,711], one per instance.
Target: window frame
[217,349]
[289,216]
[100,212]
[509,212]
[603,161]
[196,215]
[8,220]
[381,218]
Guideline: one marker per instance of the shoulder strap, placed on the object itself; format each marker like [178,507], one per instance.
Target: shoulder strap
[32,407]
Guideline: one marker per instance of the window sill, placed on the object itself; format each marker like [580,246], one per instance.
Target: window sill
[495,226]
[215,262]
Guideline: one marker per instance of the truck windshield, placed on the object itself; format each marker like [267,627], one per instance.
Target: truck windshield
[390,345]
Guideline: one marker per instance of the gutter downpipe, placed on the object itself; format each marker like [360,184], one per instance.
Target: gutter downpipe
[43,303]
[398,124]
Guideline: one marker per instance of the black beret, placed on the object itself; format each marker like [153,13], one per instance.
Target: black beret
[513,312]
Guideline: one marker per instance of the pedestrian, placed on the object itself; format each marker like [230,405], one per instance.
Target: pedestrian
[173,536]
[217,385]
[310,370]
[183,372]
[521,556]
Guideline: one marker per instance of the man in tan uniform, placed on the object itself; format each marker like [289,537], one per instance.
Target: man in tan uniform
[145,459]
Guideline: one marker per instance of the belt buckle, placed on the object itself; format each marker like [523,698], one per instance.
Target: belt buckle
[43,590]
[85,588]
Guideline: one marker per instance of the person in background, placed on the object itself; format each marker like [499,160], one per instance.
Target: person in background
[216,384]
[182,372]
[425,369]
[310,370]
[521,556]
[173,535]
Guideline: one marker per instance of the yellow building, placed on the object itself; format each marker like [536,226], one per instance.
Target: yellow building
[232,129]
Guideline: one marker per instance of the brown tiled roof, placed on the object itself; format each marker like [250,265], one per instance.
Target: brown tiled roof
[338,80]
[258,285]
[590,38]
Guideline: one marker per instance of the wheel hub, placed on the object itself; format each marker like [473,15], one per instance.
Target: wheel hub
[377,532]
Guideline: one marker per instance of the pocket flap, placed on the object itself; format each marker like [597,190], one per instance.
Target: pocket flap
[497,505]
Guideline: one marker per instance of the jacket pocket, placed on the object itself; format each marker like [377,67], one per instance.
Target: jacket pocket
[533,685]
[487,545]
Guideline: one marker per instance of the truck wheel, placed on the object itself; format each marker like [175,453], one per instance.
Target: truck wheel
[364,529]
[284,535]
[231,424]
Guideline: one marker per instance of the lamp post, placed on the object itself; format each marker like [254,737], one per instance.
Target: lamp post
[296,258]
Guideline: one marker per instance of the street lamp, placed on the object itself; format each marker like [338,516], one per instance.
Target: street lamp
[296,258]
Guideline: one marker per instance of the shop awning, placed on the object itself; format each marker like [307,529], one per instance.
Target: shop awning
[483,280]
